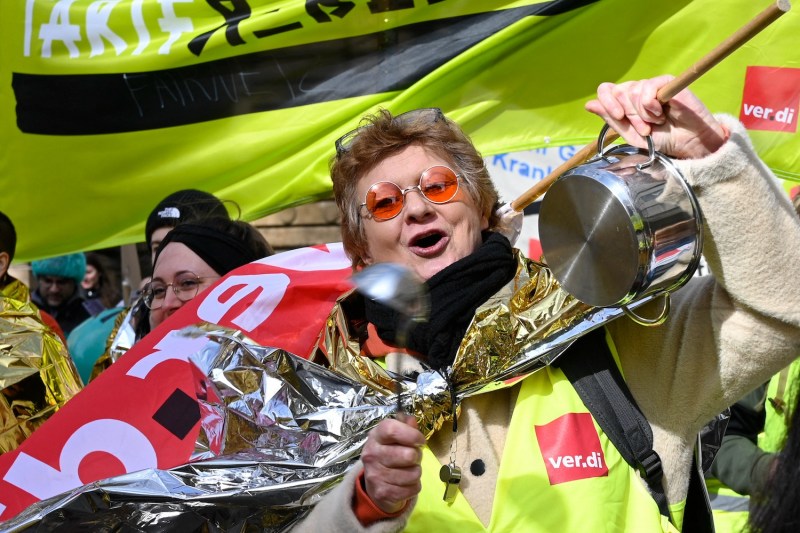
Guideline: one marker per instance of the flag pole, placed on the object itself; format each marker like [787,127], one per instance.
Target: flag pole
[723,50]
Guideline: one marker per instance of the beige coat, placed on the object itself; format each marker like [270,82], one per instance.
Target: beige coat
[726,335]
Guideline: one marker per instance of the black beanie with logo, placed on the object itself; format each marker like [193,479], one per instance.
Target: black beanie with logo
[187,205]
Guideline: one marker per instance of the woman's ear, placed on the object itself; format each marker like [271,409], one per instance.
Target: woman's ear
[5,262]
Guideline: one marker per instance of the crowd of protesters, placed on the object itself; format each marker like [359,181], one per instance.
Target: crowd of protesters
[412,189]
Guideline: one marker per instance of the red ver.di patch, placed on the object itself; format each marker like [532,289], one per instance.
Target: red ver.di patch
[771,99]
[571,448]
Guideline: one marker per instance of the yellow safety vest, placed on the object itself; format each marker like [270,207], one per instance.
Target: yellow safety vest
[781,393]
[559,472]
[729,508]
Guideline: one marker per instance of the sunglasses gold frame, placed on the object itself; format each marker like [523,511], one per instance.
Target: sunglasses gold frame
[403,192]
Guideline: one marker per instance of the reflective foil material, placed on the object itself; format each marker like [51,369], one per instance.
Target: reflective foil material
[278,431]
[37,375]
[124,336]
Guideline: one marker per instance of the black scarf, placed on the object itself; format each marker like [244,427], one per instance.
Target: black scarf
[455,293]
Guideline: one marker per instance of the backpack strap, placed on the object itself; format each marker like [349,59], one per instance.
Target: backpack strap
[590,367]
[593,372]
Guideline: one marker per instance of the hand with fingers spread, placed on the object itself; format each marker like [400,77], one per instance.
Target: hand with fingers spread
[391,458]
[682,128]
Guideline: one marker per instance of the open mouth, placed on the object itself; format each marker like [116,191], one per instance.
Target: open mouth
[430,241]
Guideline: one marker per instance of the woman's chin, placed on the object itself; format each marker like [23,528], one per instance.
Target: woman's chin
[427,268]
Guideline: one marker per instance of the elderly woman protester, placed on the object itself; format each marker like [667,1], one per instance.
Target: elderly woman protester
[413,190]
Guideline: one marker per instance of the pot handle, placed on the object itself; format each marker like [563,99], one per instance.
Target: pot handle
[602,149]
[657,321]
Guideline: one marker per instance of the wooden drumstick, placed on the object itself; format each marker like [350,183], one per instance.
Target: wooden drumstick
[741,36]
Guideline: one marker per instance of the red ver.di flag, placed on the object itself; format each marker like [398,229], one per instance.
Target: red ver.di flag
[142,412]
[771,98]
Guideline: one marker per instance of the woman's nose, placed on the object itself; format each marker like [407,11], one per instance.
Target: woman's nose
[171,301]
[415,205]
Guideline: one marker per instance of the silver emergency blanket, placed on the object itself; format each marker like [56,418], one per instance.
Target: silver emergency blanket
[291,428]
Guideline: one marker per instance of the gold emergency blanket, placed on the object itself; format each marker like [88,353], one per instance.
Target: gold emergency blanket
[120,341]
[37,375]
[291,428]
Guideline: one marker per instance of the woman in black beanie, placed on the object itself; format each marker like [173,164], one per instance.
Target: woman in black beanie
[193,256]
[186,205]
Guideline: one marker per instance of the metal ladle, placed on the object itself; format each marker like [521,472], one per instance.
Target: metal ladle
[397,287]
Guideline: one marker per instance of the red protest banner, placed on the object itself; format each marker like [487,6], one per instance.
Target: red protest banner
[142,412]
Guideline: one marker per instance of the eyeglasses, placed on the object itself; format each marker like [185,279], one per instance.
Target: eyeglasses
[385,200]
[425,115]
[185,287]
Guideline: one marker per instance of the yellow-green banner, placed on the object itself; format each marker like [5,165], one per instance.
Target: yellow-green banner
[107,106]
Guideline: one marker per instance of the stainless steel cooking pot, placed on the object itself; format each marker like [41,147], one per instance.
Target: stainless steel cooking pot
[620,227]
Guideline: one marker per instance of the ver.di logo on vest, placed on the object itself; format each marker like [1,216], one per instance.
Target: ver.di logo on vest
[571,448]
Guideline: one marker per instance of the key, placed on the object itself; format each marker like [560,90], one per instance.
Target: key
[450,474]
